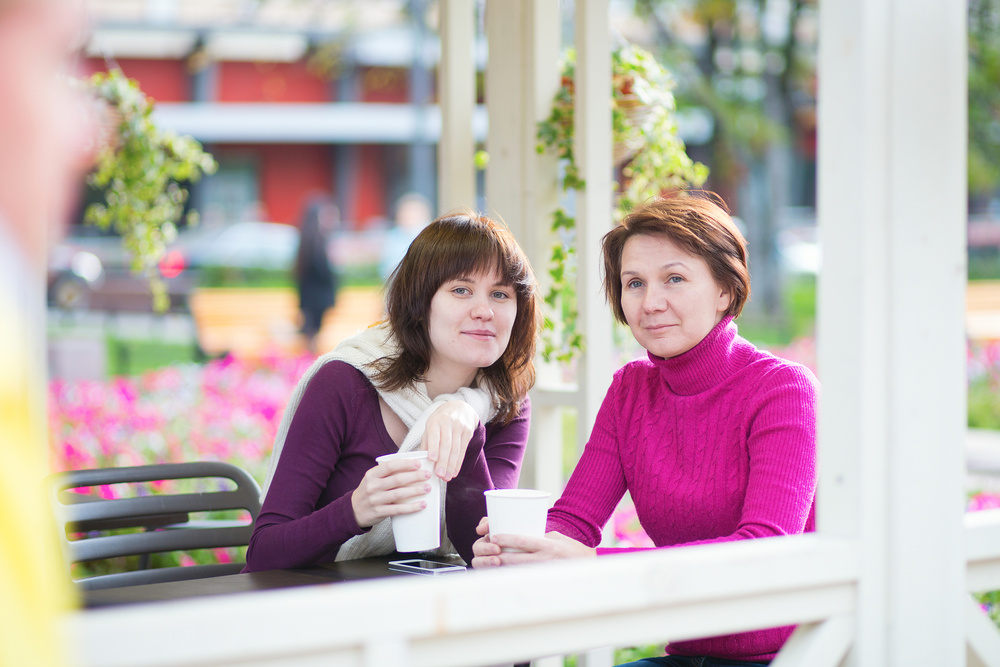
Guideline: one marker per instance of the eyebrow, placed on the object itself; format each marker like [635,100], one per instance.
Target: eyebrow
[469,280]
[666,266]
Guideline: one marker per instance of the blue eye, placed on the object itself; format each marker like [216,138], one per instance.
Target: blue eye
[675,279]
[461,290]
[500,295]
[634,284]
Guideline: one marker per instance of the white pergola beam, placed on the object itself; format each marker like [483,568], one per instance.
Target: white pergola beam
[890,331]
[457,84]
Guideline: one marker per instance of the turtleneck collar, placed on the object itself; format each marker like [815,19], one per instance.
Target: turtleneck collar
[706,364]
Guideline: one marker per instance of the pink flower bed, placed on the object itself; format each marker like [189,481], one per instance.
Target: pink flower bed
[225,410]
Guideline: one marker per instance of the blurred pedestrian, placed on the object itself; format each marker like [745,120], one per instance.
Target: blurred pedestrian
[315,277]
[413,213]
[44,138]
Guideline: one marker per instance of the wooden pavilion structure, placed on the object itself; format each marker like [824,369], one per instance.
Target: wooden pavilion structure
[886,579]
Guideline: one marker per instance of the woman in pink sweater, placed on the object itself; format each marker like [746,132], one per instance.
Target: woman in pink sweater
[714,439]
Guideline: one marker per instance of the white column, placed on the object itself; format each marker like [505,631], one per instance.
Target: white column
[593,203]
[505,96]
[521,186]
[891,338]
[592,132]
[457,83]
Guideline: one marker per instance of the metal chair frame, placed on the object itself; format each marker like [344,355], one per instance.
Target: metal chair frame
[164,519]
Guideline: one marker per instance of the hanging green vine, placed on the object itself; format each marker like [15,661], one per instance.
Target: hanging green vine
[646,141]
[140,168]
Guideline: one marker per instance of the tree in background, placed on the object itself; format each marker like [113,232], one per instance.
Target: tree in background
[751,67]
[984,103]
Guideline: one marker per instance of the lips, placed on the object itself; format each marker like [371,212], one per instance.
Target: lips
[480,333]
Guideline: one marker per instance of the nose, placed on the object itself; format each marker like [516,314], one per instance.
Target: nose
[482,310]
[654,300]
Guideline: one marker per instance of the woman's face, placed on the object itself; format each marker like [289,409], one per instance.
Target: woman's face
[469,324]
[670,299]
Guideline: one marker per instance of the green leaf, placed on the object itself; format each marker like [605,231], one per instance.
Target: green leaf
[139,171]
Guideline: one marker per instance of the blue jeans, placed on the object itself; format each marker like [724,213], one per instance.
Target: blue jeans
[685,661]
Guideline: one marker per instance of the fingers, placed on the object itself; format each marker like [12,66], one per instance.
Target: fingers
[431,442]
[459,444]
[396,466]
[520,543]
[485,554]
[441,442]
[488,554]
[400,494]
[390,489]
[483,562]
[446,437]
[484,526]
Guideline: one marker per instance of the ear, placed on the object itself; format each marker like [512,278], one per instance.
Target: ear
[724,301]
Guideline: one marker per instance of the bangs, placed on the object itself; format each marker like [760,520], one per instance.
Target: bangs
[470,246]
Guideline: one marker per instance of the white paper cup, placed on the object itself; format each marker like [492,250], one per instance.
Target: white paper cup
[517,511]
[421,530]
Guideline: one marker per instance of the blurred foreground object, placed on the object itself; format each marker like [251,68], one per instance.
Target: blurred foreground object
[42,131]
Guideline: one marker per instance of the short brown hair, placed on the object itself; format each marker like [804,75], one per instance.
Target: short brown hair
[459,244]
[696,223]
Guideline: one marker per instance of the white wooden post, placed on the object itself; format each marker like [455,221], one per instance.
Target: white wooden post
[457,83]
[891,340]
[592,147]
[521,186]
[593,204]
[504,98]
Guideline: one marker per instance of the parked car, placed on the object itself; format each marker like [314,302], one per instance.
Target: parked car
[799,250]
[89,269]
[241,245]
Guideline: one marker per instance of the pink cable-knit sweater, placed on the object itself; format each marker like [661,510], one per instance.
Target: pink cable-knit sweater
[716,444]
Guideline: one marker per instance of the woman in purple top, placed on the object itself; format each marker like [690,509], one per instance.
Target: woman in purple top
[714,439]
[448,372]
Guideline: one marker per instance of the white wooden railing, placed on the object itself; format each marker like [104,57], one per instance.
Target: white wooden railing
[489,617]
[526,612]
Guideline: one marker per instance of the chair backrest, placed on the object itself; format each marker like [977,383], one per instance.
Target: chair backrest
[163,518]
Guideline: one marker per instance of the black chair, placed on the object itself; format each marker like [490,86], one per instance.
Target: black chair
[163,519]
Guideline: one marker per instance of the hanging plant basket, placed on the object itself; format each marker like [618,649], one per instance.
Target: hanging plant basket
[636,114]
[646,147]
[141,168]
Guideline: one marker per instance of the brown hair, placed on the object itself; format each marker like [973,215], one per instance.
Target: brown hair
[459,244]
[697,224]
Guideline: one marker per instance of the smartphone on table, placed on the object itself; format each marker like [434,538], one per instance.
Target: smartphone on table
[426,567]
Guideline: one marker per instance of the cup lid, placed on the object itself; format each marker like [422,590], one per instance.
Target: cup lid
[526,494]
[422,454]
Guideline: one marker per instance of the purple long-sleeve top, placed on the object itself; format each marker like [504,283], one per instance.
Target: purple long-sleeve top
[333,439]
[714,445]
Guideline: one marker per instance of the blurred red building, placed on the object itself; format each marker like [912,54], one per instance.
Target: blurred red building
[290,112]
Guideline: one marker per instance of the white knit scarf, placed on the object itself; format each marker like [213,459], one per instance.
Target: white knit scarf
[410,403]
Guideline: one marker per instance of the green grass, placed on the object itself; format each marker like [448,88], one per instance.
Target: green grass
[135,356]
[362,275]
[984,408]
[984,264]
[797,321]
